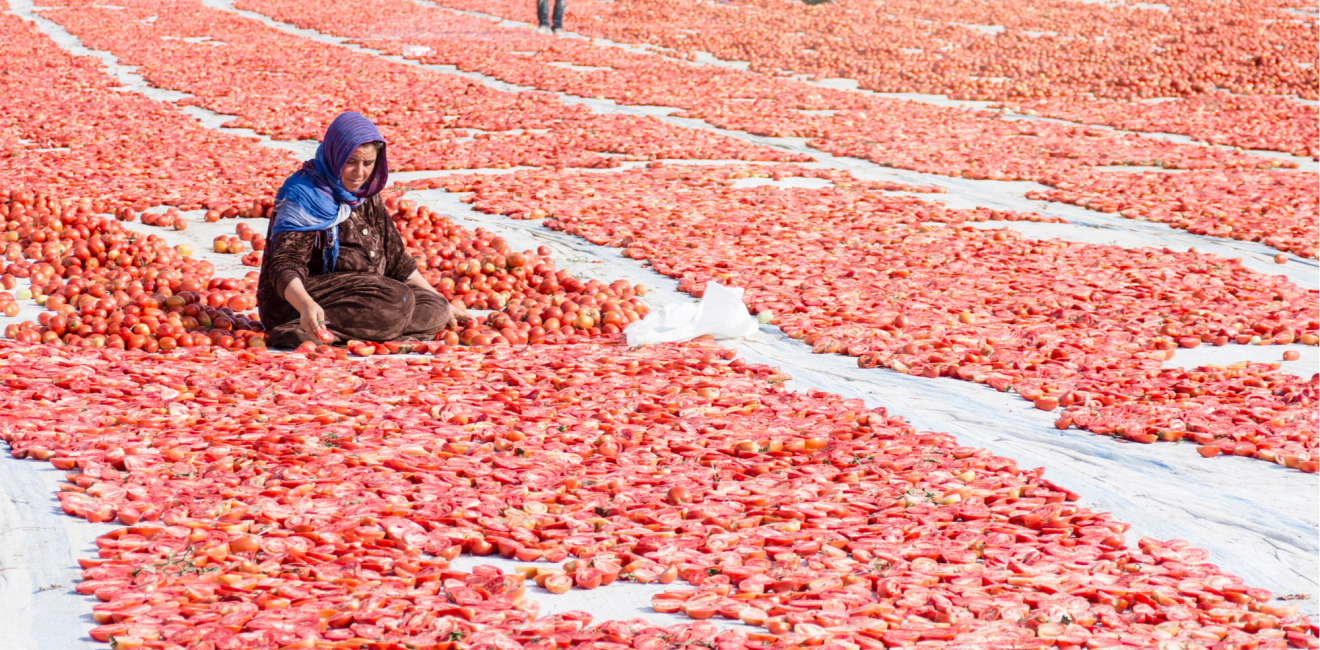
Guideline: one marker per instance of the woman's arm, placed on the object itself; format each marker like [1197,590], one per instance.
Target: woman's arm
[288,261]
[457,313]
[416,281]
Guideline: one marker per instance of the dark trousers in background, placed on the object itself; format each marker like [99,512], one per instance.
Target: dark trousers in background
[543,13]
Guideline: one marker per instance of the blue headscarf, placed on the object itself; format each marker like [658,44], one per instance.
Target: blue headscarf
[313,199]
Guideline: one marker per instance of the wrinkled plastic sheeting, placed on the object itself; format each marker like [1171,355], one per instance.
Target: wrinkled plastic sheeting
[720,313]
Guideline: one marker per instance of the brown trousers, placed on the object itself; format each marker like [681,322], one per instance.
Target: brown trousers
[362,306]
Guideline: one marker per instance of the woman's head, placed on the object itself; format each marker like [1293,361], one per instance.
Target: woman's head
[353,153]
[357,170]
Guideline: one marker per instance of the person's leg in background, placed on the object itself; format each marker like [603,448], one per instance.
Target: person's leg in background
[560,5]
[542,16]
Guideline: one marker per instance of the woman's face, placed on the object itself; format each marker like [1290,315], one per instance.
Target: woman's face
[358,168]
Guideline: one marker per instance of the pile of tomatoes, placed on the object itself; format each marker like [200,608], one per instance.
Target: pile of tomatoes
[274,501]
[266,504]
[853,271]
[103,285]
[237,244]
[532,301]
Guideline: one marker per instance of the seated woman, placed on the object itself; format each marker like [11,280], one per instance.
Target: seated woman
[335,267]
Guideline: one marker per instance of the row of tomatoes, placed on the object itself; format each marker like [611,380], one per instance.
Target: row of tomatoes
[1249,121]
[1219,118]
[72,132]
[266,504]
[525,128]
[1263,206]
[983,51]
[873,276]
[1224,194]
[1268,207]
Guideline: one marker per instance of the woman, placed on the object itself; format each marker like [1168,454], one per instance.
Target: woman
[335,267]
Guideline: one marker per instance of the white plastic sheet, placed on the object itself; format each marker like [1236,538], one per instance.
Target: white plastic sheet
[720,313]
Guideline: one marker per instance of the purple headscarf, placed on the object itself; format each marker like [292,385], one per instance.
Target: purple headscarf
[313,199]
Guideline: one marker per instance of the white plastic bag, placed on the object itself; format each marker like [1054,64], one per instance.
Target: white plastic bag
[414,51]
[720,313]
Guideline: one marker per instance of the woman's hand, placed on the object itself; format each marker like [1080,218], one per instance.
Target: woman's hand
[312,316]
[313,322]
[458,315]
